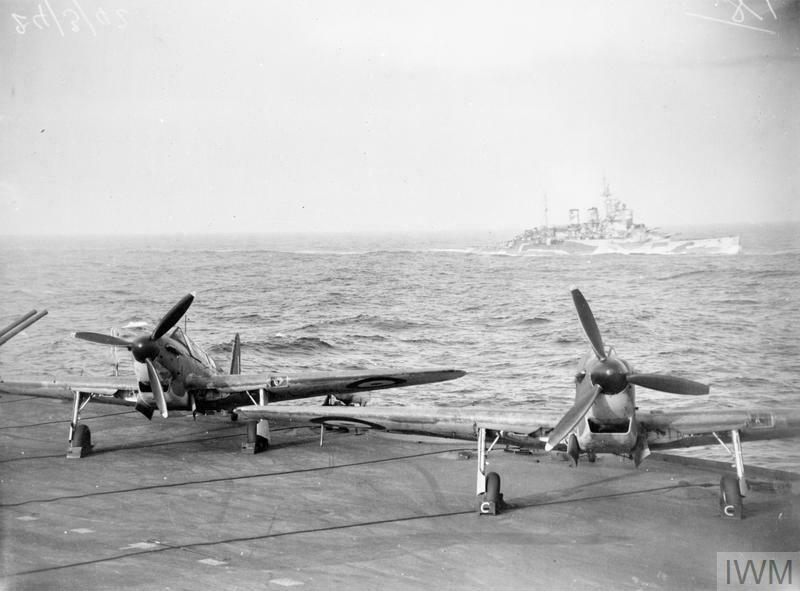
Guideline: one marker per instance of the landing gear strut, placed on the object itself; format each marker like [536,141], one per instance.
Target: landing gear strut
[80,437]
[490,499]
[733,488]
[257,436]
[257,431]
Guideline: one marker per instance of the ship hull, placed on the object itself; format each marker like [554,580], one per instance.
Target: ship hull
[726,245]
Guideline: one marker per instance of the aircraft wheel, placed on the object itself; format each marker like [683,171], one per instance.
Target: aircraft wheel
[492,501]
[234,417]
[261,445]
[492,487]
[591,456]
[82,438]
[730,497]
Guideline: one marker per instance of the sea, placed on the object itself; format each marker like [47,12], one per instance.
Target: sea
[326,302]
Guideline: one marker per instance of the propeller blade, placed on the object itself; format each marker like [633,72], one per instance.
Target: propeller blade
[171,318]
[102,339]
[589,323]
[664,383]
[583,403]
[155,386]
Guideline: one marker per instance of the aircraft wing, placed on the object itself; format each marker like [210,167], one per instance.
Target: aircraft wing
[664,429]
[115,390]
[690,428]
[453,422]
[286,386]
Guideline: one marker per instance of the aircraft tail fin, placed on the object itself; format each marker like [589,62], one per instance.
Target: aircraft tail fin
[236,356]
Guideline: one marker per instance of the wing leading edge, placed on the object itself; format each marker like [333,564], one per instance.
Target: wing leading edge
[120,390]
[286,386]
[458,422]
[690,428]
[663,429]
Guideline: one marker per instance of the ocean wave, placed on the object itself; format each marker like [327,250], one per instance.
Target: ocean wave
[737,302]
[683,274]
[297,344]
[532,321]
[368,337]
[278,344]
[379,322]
[774,273]
[420,341]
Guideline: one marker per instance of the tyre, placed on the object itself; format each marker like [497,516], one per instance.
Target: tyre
[492,487]
[82,437]
[730,497]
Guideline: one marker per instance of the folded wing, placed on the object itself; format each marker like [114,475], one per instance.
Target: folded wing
[116,390]
[287,386]
[453,422]
[690,428]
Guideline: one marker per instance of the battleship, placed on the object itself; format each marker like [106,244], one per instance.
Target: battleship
[614,233]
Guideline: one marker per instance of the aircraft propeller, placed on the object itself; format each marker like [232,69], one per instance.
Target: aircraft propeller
[155,386]
[144,347]
[611,376]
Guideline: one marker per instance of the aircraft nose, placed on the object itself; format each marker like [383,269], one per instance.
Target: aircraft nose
[610,376]
[143,348]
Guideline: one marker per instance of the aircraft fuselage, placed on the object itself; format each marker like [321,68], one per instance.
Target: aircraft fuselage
[179,357]
[610,425]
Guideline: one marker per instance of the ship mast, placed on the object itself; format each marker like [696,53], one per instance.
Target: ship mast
[610,206]
[546,223]
[545,212]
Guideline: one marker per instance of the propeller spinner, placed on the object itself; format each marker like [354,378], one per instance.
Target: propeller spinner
[611,376]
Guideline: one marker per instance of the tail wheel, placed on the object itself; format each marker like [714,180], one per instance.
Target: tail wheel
[730,497]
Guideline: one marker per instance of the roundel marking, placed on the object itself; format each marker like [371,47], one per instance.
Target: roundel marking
[376,382]
[346,422]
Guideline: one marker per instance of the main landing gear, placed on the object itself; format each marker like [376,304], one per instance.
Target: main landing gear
[257,431]
[732,488]
[80,437]
[490,499]
[574,451]
[257,436]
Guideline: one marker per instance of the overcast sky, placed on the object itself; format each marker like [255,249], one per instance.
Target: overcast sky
[354,115]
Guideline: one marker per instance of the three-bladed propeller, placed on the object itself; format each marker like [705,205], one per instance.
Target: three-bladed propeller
[611,376]
[155,386]
[146,348]
[589,323]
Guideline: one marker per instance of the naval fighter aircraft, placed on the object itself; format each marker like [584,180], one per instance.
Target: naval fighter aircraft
[604,418]
[174,373]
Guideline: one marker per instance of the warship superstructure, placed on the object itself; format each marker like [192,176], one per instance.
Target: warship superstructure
[613,232]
